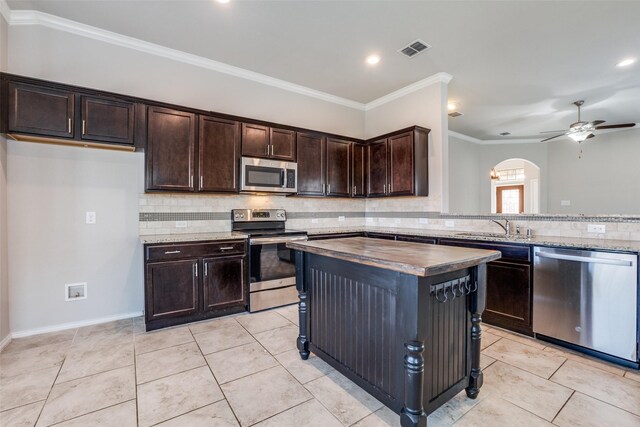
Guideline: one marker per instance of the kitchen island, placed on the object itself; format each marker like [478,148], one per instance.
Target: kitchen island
[400,319]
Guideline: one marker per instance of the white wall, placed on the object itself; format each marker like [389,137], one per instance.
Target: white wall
[50,190]
[464,173]
[4,277]
[425,107]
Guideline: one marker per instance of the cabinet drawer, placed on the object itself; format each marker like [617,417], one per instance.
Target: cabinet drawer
[509,252]
[181,250]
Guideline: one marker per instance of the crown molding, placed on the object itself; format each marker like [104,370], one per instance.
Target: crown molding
[492,141]
[420,84]
[5,11]
[33,17]
[465,137]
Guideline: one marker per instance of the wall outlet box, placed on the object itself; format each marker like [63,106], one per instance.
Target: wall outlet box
[397,220]
[75,291]
[596,228]
[90,218]
[181,224]
[565,202]
[423,220]
[449,223]
[341,218]
[314,220]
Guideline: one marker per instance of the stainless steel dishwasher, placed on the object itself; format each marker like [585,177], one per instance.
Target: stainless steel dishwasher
[587,298]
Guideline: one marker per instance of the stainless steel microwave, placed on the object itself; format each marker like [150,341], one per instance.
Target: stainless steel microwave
[268,176]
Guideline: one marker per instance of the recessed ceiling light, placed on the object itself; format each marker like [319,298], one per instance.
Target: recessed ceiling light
[626,62]
[451,106]
[373,59]
[223,1]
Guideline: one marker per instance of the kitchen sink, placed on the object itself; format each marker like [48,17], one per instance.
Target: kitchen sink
[481,234]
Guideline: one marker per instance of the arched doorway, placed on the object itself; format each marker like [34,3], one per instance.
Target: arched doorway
[515,187]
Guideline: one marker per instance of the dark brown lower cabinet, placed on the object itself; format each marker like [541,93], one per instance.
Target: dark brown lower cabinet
[223,285]
[187,282]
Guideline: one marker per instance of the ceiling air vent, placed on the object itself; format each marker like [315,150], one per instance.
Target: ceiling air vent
[455,114]
[414,48]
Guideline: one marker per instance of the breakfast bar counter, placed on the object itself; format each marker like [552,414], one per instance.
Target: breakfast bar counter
[400,319]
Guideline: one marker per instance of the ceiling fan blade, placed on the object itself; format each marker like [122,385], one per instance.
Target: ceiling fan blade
[544,140]
[596,122]
[590,136]
[621,125]
[553,131]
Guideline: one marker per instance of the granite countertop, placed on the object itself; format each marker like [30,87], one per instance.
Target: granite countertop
[405,257]
[192,237]
[566,242]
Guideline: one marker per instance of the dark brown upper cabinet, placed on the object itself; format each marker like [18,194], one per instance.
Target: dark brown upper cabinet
[377,169]
[311,164]
[255,140]
[358,170]
[170,149]
[40,110]
[107,120]
[283,144]
[398,164]
[218,154]
[338,161]
[268,143]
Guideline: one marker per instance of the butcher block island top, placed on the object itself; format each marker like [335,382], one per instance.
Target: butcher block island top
[417,259]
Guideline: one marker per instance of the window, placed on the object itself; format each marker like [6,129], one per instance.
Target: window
[511,174]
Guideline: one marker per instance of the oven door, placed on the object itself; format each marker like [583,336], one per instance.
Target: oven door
[271,263]
[260,175]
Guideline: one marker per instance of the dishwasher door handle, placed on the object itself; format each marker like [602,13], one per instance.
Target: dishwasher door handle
[622,263]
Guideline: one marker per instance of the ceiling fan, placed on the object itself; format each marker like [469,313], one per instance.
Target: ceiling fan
[579,131]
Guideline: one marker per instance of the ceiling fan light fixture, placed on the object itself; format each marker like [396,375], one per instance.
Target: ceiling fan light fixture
[626,62]
[580,136]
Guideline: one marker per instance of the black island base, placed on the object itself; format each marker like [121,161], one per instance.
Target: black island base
[400,319]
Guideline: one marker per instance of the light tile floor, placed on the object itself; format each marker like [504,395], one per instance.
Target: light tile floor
[244,370]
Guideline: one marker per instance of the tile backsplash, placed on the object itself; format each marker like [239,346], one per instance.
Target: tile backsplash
[161,213]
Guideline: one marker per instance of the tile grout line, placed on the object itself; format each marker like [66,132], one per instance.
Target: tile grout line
[92,412]
[563,405]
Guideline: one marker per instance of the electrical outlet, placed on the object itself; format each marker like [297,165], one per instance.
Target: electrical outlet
[90,218]
[341,218]
[181,224]
[596,228]
[75,291]
[397,220]
[565,202]
[423,220]
[368,220]
[314,220]
[449,223]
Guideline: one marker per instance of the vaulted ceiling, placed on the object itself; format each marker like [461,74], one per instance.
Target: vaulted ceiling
[517,65]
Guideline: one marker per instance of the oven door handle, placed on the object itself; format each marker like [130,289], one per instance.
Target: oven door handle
[272,240]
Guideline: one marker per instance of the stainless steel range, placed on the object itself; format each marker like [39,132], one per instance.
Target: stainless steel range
[272,272]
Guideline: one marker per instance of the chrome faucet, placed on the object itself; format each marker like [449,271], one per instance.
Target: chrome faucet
[506,227]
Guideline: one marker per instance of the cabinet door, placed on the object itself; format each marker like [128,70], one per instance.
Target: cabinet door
[223,282]
[107,120]
[255,140]
[401,165]
[171,289]
[40,111]
[219,154]
[509,296]
[377,168]
[170,150]
[283,144]
[311,164]
[358,175]
[338,168]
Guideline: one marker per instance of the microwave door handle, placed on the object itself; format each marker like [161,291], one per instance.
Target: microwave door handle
[283,177]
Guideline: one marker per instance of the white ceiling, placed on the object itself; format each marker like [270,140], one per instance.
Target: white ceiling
[517,65]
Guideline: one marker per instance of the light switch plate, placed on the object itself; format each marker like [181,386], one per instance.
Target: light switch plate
[449,223]
[596,228]
[368,220]
[181,224]
[397,220]
[424,220]
[314,220]
[91,218]
[565,202]
[341,218]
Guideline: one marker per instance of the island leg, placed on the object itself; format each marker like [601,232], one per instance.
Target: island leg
[476,305]
[302,341]
[413,414]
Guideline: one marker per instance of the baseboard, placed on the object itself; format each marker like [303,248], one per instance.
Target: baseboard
[5,342]
[73,325]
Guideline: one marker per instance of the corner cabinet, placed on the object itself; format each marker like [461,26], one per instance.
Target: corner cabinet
[398,164]
[186,282]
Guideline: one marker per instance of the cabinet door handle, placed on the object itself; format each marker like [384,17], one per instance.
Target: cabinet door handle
[83,127]
[69,125]
[384,188]
[201,181]
[195,269]
[272,149]
[205,269]
[354,189]
[226,248]
[171,252]
[323,189]
[267,152]
[191,181]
